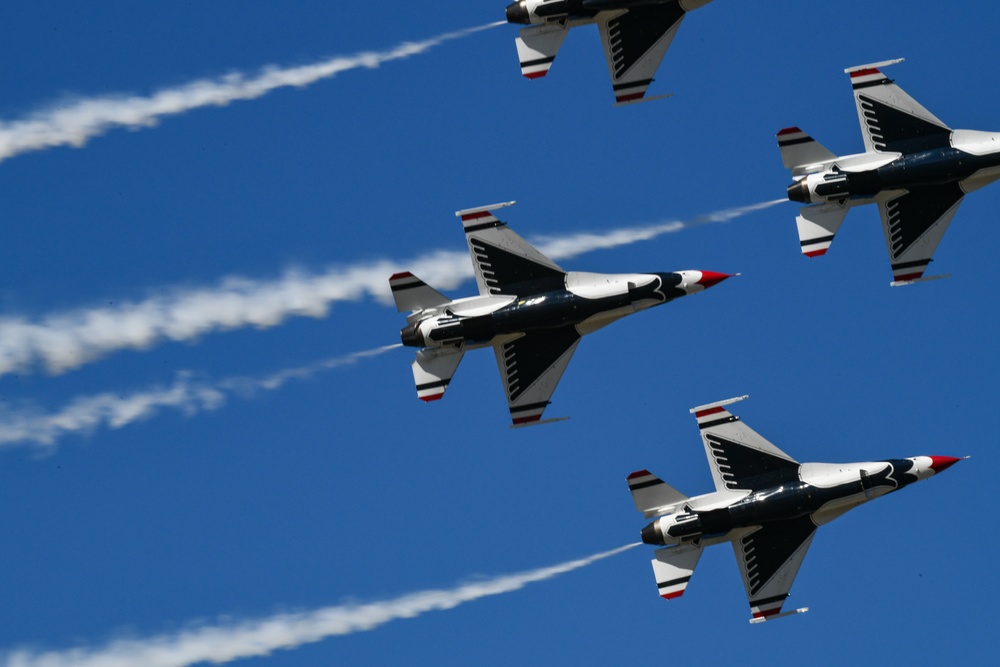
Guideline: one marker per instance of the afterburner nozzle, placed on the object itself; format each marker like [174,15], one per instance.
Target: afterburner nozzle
[517,12]
[799,191]
[652,535]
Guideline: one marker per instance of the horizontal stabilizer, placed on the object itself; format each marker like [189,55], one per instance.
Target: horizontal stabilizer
[537,47]
[799,151]
[412,293]
[433,369]
[651,494]
[673,568]
[818,225]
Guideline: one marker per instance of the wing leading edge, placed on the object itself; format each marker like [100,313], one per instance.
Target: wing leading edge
[736,453]
[531,367]
[914,223]
[769,559]
[504,263]
[634,44]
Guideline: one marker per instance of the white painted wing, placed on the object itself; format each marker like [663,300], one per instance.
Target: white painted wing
[531,367]
[673,568]
[890,119]
[502,260]
[769,559]
[914,223]
[433,369]
[736,453]
[634,43]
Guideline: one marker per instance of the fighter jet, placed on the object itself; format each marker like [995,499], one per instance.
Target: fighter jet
[914,167]
[635,33]
[529,310]
[767,504]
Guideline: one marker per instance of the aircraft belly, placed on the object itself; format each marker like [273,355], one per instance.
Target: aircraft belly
[601,320]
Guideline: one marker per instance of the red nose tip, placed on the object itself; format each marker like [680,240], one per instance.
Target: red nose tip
[941,463]
[709,278]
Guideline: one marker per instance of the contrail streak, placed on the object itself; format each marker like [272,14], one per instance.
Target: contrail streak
[65,340]
[188,393]
[253,638]
[76,122]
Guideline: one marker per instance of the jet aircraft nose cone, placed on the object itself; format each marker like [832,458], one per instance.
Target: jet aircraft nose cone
[942,463]
[709,278]
[517,12]
[693,282]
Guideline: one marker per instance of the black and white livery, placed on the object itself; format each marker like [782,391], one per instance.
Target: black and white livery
[636,34]
[530,311]
[914,167]
[766,504]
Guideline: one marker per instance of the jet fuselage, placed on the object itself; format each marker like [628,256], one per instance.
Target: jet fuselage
[527,12]
[550,304]
[974,164]
[820,490]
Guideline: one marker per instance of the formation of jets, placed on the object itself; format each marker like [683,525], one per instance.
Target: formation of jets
[765,503]
[533,313]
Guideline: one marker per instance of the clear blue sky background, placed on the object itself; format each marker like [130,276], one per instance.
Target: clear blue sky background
[345,486]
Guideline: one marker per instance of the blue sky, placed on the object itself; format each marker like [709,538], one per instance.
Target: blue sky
[180,254]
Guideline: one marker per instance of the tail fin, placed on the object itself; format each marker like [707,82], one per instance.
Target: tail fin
[673,568]
[652,495]
[537,47]
[433,370]
[412,293]
[800,152]
[818,225]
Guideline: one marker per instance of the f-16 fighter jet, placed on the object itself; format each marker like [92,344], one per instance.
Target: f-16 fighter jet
[529,310]
[636,34]
[914,167]
[767,504]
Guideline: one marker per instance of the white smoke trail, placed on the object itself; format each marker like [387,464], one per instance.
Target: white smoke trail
[231,641]
[188,394]
[66,340]
[76,122]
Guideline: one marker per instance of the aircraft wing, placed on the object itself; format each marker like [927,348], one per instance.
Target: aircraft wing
[891,120]
[531,367]
[635,43]
[769,558]
[502,261]
[914,223]
[736,453]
